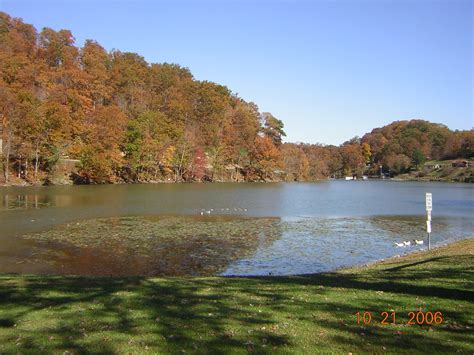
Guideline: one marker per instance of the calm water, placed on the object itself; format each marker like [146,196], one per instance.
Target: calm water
[280,228]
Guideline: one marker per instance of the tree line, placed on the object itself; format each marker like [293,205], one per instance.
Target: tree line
[396,148]
[125,120]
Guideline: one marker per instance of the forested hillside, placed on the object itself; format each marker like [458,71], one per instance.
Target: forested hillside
[399,147]
[113,117]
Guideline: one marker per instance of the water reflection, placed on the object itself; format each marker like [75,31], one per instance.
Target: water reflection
[35,201]
[12,202]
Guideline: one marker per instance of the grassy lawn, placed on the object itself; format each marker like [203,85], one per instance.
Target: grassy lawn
[261,314]
[444,173]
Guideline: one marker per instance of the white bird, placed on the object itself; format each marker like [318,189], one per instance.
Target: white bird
[418,242]
[407,243]
[208,212]
[399,244]
[202,213]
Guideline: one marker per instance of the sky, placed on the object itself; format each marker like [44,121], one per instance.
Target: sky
[330,70]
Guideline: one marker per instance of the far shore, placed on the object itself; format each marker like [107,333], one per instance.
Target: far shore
[398,179]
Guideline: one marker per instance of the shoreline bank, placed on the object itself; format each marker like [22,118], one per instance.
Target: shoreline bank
[236,182]
[416,254]
[249,314]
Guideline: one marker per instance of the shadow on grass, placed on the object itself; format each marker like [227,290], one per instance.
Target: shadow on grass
[400,267]
[263,314]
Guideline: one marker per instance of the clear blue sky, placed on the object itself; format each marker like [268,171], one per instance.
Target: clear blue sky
[329,69]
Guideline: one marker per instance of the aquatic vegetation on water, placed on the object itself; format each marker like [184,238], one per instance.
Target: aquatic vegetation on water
[152,245]
[311,244]
[210,245]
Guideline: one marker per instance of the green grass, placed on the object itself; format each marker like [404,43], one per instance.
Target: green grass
[445,173]
[263,314]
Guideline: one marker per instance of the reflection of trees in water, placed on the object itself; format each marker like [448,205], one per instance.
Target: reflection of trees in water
[25,202]
[151,246]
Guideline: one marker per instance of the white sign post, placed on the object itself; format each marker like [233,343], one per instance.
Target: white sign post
[429,208]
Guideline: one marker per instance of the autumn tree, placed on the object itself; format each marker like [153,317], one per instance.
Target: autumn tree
[295,162]
[197,169]
[396,163]
[147,137]
[101,155]
[366,152]
[273,128]
[353,161]
[127,119]
[266,157]
[97,63]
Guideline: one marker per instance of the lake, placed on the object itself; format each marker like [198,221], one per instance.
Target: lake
[222,228]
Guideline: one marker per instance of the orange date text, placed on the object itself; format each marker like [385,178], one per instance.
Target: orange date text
[411,318]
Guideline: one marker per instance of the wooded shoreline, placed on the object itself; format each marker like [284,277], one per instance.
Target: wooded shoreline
[399,179]
[118,118]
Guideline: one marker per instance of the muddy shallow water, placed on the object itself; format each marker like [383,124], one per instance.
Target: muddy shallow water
[221,229]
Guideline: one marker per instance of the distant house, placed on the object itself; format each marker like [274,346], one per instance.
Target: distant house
[67,164]
[460,164]
[233,167]
[349,178]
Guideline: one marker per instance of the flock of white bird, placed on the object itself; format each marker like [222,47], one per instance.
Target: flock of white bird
[408,243]
[237,209]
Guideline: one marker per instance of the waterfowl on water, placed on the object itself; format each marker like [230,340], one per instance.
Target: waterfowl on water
[399,244]
[418,242]
[407,243]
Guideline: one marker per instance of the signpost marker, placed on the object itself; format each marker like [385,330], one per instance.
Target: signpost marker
[429,208]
